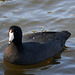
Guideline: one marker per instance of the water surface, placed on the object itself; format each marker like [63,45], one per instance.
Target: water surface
[39,15]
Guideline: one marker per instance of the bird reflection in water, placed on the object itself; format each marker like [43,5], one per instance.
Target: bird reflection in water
[11,69]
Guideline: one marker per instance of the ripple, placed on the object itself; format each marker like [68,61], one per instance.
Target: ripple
[30,15]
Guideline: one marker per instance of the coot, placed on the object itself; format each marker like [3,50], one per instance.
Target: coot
[35,47]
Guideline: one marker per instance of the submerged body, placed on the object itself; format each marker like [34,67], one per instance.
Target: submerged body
[36,47]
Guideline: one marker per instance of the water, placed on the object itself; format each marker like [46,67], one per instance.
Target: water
[39,15]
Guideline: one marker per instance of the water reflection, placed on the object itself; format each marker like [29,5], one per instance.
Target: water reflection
[13,72]
[4,1]
[11,69]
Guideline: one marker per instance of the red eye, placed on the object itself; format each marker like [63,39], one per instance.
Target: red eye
[10,31]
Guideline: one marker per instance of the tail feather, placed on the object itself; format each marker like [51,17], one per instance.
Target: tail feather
[66,34]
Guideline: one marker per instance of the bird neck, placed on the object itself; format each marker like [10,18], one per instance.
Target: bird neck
[17,42]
